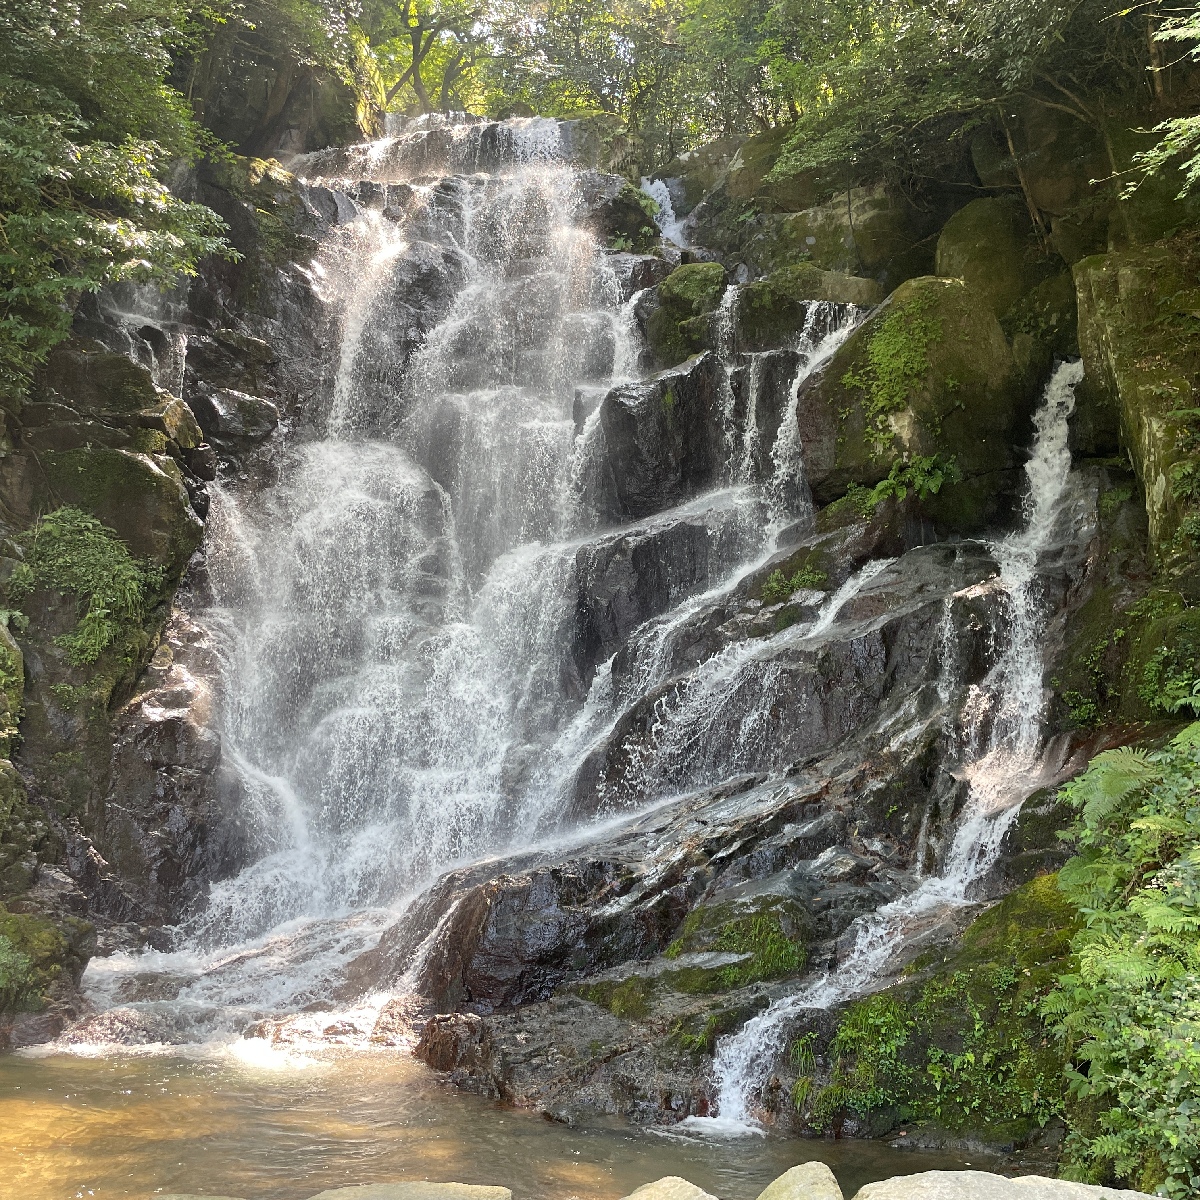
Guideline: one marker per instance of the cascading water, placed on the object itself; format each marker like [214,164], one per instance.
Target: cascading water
[1001,767]
[397,610]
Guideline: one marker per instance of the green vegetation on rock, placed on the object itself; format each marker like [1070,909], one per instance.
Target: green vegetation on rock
[679,327]
[962,1043]
[895,364]
[33,952]
[70,552]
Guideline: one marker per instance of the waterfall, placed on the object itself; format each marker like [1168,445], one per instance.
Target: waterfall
[670,226]
[999,769]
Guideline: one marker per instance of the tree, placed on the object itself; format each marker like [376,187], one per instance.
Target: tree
[88,131]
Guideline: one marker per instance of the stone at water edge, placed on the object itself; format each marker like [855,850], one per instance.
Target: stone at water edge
[670,1187]
[808,1181]
[415,1190]
[982,1185]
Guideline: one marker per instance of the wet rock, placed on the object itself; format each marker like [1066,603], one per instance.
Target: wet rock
[124,1027]
[624,579]
[228,415]
[808,1181]
[981,1185]
[165,825]
[773,311]
[663,437]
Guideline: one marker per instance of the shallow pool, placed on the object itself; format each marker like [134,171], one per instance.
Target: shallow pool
[285,1126]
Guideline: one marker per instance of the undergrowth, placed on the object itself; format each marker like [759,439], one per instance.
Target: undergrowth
[70,552]
[1128,1016]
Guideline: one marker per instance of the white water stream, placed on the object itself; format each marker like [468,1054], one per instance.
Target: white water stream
[1001,769]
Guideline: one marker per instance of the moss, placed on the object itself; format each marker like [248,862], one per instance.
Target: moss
[989,243]
[12,684]
[962,1042]
[678,328]
[896,363]
[629,1000]
[770,931]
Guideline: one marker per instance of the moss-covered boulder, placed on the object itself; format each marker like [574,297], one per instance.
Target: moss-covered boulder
[926,387]
[990,245]
[1138,337]
[772,311]
[679,326]
[960,1043]
[141,496]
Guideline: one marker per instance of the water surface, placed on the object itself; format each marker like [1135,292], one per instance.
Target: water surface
[289,1126]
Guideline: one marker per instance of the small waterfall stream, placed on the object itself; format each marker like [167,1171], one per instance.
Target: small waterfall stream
[998,766]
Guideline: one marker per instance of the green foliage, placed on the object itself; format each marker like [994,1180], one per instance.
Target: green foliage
[923,474]
[779,587]
[1129,1015]
[88,131]
[897,361]
[71,552]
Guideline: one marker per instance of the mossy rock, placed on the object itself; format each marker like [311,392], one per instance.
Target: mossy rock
[25,837]
[1048,313]
[698,171]
[961,1042]
[772,311]
[769,928]
[33,955]
[678,327]
[928,375]
[140,496]
[91,379]
[990,244]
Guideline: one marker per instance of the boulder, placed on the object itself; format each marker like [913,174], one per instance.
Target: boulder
[929,375]
[618,214]
[989,245]
[808,1181]
[670,1187]
[982,1185]
[227,415]
[1139,376]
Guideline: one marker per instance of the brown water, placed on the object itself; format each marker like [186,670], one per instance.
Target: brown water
[73,1128]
